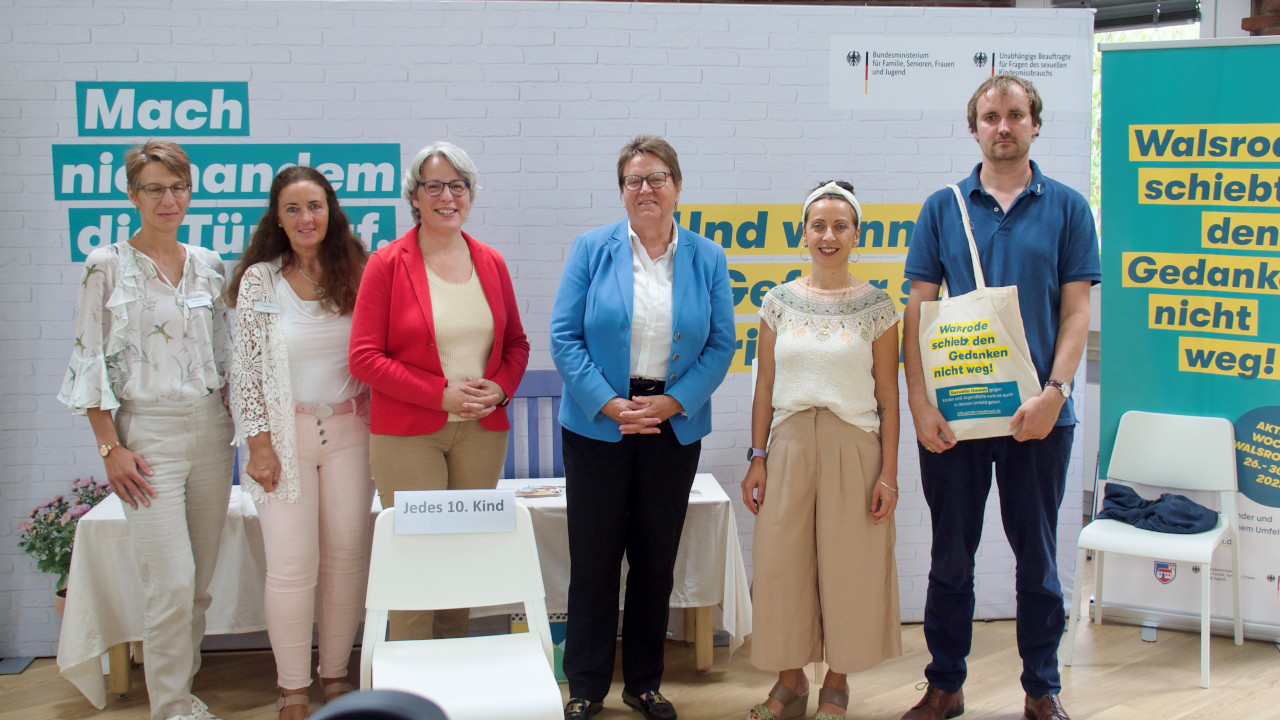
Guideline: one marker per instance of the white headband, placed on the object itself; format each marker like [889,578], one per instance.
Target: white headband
[832,189]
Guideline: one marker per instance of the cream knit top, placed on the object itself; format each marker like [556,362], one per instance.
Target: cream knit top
[822,357]
[463,325]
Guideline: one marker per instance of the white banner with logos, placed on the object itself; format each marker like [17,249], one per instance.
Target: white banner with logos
[897,72]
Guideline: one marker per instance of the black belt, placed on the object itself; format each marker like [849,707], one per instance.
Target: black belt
[646,386]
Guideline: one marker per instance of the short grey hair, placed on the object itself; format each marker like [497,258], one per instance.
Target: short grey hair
[456,156]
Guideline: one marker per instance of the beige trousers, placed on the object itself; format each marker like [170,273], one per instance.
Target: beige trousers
[825,575]
[459,456]
[175,540]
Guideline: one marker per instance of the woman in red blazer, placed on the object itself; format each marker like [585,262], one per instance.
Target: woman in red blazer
[436,334]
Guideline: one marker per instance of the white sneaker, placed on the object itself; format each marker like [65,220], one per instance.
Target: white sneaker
[200,711]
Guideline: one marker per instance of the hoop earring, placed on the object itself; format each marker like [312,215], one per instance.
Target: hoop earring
[804,257]
[856,258]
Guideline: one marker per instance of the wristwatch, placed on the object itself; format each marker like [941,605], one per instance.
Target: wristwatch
[1062,387]
[753,453]
[105,450]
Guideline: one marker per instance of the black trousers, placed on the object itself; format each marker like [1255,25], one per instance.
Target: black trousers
[628,496]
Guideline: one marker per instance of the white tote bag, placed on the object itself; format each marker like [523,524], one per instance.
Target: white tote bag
[977,367]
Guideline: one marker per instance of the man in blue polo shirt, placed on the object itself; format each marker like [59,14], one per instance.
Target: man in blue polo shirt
[1037,234]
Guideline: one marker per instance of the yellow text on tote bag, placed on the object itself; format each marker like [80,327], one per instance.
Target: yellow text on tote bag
[977,367]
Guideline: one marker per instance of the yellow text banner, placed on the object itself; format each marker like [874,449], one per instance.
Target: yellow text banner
[1238,358]
[1233,142]
[1246,187]
[1184,271]
[1240,230]
[752,281]
[1202,313]
[747,230]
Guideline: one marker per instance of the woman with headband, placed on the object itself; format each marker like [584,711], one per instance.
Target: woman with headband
[824,490]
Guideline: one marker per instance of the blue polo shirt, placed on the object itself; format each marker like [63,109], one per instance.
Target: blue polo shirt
[1046,239]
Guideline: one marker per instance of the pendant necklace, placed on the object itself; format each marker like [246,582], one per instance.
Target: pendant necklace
[319,291]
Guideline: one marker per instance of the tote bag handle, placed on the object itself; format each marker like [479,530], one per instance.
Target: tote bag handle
[978,277]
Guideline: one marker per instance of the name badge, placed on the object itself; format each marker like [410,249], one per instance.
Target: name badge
[266,307]
[196,301]
[441,512]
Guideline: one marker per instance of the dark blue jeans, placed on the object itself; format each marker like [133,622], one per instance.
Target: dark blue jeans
[1030,478]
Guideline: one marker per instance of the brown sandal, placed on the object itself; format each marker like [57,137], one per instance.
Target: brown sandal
[292,699]
[335,688]
[839,698]
[793,705]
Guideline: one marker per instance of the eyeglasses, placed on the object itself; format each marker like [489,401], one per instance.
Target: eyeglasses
[656,180]
[457,188]
[156,191]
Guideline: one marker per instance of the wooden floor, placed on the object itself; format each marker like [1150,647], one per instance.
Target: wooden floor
[1116,676]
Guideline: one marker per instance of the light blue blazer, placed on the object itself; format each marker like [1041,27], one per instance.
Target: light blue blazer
[591,331]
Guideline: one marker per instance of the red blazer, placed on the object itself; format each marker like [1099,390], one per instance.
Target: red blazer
[393,346]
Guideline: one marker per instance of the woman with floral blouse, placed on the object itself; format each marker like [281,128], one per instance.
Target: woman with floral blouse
[148,369]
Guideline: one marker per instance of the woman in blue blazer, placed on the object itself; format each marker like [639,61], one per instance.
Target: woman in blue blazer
[642,332]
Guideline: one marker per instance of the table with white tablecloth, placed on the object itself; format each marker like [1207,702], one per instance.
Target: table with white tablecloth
[104,594]
[709,570]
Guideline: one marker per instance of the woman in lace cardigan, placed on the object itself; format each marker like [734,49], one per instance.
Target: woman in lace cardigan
[304,419]
[151,347]
[826,409]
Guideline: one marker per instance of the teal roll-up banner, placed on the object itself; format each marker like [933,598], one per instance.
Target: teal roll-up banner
[1191,277]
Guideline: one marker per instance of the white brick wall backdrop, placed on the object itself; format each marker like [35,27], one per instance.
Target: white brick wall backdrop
[542,95]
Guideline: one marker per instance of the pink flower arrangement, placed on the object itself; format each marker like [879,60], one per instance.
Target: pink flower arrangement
[50,533]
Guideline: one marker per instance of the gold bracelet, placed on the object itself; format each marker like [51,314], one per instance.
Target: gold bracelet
[894,489]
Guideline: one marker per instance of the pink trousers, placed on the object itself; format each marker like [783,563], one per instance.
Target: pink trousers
[323,539]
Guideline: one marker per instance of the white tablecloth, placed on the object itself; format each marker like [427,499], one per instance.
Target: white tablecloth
[709,569]
[104,595]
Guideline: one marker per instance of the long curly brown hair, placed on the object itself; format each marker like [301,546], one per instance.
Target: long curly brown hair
[342,255]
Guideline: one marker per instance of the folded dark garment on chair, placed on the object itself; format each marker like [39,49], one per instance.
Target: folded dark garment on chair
[1170,514]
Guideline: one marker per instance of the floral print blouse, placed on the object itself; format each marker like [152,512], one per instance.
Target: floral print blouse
[139,338]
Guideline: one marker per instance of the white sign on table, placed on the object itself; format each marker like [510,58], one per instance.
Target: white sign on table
[438,512]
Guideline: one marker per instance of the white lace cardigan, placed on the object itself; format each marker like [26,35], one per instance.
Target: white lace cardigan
[261,391]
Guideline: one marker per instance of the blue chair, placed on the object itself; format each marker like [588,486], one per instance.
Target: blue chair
[540,390]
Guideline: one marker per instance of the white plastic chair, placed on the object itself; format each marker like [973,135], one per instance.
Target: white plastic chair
[1180,452]
[473,678]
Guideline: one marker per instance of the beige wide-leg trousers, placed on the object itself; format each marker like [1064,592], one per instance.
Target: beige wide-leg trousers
[825,575]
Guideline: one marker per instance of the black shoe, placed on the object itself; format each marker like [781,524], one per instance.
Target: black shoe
[653,705]
[579,709]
